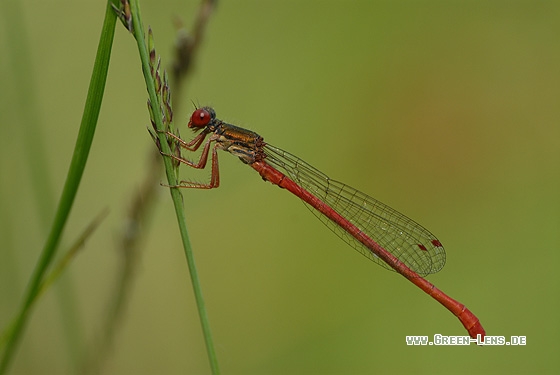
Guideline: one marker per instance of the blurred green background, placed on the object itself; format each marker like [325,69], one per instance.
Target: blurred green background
[446,111]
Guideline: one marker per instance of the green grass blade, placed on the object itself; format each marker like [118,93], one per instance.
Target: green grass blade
[77,166]
[30,124]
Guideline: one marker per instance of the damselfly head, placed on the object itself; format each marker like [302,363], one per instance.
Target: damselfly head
[201,118]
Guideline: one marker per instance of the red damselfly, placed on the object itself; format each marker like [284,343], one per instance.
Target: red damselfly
[379,232]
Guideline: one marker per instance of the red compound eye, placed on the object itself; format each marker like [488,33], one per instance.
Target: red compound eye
[200,118]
